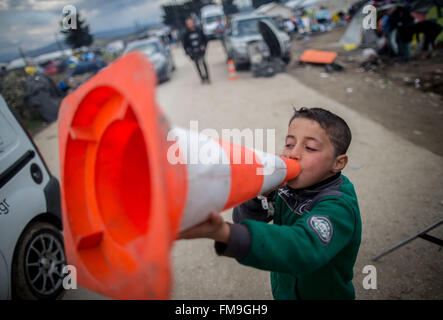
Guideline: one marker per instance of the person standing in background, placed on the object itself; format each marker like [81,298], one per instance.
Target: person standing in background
[220,34]
[194,43]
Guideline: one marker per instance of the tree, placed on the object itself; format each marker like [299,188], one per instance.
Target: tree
[258,3]
[174,14]
[229,7]
[78,37]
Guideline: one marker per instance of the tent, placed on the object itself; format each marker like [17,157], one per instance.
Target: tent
[16,64]
[436,13]
[424,5]
[275,10]
[355,35]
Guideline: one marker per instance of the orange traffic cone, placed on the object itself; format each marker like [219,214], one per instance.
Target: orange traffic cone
[123,199]
[232,72]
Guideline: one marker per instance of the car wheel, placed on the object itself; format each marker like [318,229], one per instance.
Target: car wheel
[237,65]
[37,270]
[286,59]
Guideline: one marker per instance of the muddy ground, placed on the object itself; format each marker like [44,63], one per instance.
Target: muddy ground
[390,95]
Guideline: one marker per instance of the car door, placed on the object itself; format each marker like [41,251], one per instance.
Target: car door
[22,177]
[4,279]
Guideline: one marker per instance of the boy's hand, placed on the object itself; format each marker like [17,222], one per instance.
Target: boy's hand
[214,228]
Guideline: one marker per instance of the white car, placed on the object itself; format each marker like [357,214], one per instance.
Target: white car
[247,29]
[158,53]
[32,254]
[210,16]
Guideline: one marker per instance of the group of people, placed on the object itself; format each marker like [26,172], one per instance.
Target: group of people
[399,27]
[313,21]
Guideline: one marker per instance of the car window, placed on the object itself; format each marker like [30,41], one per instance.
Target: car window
[147,48]
[248,27]
[212,19]
[8,136]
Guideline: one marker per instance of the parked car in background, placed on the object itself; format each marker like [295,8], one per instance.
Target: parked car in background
[210,16]
[244,29]
[32,255]
[158,53]
[163,33]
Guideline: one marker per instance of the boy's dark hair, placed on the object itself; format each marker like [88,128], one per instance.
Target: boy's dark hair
[335,127]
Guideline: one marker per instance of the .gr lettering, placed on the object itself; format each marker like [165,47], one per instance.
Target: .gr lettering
[4,207]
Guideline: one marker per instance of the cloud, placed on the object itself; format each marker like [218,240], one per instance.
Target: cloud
[33,5]
[30,31]
[33,23]
[120,14]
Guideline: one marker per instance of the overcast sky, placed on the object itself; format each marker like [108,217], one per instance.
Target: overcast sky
[33,23]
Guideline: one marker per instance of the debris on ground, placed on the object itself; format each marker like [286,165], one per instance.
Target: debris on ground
[318,57]
[268,68]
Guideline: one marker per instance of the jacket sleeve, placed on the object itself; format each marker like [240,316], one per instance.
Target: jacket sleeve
[254,210]
[186,42]
[251,209]
[307,245]
[239,242]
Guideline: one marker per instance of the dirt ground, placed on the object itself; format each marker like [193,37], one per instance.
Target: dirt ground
[390,95]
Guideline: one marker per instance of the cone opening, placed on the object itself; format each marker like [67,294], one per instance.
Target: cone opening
[116,190]
[107,172]
[122,181]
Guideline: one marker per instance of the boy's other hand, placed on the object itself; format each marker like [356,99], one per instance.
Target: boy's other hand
[213,228]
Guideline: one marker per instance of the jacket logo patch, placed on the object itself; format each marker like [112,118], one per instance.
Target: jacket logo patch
[322,228]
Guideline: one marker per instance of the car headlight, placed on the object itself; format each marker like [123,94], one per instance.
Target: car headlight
[158,63]
[241,47]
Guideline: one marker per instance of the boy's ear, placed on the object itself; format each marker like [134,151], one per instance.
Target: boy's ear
[339,163]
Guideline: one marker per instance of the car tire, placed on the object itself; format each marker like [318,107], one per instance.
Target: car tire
[237,65]
[37,268]
[286,59]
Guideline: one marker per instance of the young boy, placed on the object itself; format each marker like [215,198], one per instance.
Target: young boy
[312,246]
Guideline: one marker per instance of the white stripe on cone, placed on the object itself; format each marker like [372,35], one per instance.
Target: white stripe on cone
[209,178]
[274,170]
[209,174]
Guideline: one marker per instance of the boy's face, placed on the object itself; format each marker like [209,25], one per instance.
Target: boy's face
[309,144]
[190,23]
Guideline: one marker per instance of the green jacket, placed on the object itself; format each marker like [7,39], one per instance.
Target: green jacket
[312,246]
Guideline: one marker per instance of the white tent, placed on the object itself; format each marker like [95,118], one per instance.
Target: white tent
[43,58]
[115,46]
[301,4]
[275,10]
[16,64]
[355,36]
